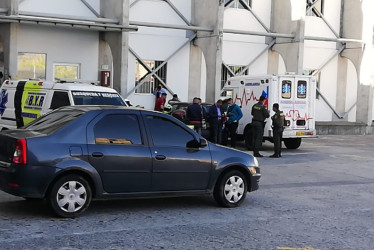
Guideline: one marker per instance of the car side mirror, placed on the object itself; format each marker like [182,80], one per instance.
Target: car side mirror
[203,143]
[193,144]
[197,144]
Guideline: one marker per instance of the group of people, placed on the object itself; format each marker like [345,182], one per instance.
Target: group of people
[161,95]
[227,119]
[217,117]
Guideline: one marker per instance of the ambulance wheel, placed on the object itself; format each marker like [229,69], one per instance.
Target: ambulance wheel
[248,139]
[292,143]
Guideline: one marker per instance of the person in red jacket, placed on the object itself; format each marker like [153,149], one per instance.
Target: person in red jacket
[160,103]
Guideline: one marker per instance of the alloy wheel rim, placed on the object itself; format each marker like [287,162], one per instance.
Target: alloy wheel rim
[71,196]
[234,189]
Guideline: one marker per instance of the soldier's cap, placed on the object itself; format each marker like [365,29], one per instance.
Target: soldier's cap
[262,98]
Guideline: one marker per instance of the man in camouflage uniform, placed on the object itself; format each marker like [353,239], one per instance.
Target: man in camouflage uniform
[278,126]
[259,113]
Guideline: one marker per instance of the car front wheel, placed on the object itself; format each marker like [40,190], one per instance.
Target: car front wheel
[231,189]
[70,196]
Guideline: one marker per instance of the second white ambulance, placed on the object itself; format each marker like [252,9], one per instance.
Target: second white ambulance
[295,95]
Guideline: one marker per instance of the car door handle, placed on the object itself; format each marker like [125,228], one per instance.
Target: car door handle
[160,157]
[97,154]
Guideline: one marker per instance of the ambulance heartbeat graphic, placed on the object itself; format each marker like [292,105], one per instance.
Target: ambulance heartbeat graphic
[295,112]
[251,98]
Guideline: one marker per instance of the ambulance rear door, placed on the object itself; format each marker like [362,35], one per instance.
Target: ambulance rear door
[294,101]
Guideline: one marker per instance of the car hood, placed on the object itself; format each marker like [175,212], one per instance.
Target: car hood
[224,156]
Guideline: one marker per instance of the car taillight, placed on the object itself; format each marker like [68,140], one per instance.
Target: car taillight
[20,155]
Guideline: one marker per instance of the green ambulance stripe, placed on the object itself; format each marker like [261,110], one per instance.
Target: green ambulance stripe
[29,105]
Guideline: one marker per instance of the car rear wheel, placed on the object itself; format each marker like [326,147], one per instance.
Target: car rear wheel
[231,189]
[70,196]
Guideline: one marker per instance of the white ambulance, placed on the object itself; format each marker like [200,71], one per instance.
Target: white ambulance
[23,101]
[295,95]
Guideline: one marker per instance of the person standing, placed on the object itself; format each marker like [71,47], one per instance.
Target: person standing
[235,114]
[216,115]
[159,91]
[160,103]
[278,126]
[194,114]
[174,100]
[259,113]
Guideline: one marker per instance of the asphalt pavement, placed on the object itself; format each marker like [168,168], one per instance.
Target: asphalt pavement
[319,196]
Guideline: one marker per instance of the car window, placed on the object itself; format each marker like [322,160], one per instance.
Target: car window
[60,99]
[52,121]
[118,130]
[166,133]
[96,98]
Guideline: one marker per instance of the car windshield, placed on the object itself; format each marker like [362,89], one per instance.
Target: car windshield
[97,98]
[52,121]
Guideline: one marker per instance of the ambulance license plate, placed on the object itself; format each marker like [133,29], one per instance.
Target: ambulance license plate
[300,133]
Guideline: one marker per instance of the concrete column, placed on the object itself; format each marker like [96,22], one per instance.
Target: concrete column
[195,72]
[341,94]
[9,38]
[357,23]
[292,50]
[273,62]
[209,13]
[118,42]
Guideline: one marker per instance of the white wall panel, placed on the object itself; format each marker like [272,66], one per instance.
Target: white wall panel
[262,8]
[240,53]
[328,87]
[178,73]
[331,11]
[155,47]
[315,26]
[65,7]
[62,46]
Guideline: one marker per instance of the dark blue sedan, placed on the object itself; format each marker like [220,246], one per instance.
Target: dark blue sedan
[74,154]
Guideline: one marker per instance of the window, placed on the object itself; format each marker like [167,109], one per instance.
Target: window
[286,89]
[66,71]
[96,98]
[226,73]
[314,7]
[166,133]
[301,89]
[60,99]
[239,4]
[118,130]
[143,74]
[31,66]
[51,122]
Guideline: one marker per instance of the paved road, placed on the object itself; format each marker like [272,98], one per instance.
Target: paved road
[321,196]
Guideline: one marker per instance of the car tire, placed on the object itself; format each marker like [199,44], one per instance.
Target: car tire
[70,196]
[292,143]
[231,189]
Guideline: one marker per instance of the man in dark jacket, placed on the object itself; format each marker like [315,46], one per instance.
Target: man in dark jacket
[216,115]
[259,113]
[194,114]
[235,114]
[277,125]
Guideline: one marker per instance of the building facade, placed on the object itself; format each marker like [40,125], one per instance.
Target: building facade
[191,47]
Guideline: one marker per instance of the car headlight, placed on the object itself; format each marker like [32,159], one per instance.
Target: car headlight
[252,170]
[255,162]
